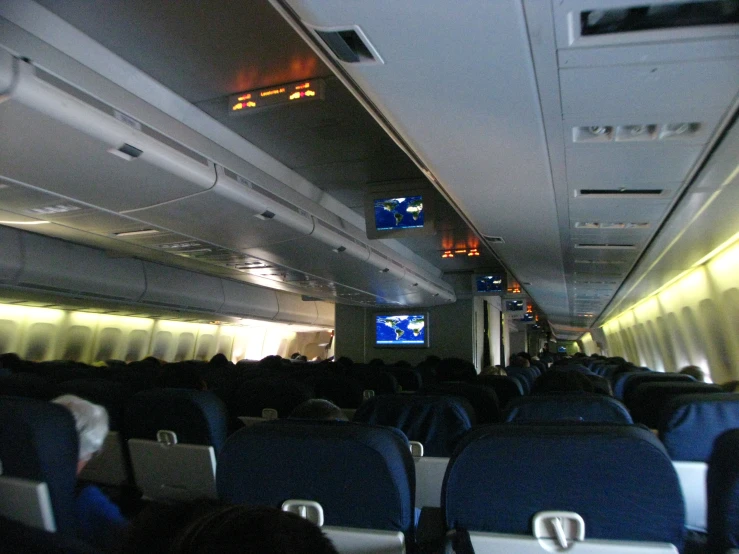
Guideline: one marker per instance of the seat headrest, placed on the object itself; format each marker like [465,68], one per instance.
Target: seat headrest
[591,407]
[197,417]
[690,423]
[617,477]
[362,475]
[38,441]
[647,400]
[438,422]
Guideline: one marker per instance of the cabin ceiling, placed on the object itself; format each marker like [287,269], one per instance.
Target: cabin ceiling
[496,100]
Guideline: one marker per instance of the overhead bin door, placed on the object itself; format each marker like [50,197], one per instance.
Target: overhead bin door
[73,145]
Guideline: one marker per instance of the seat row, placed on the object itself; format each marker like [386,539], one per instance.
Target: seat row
[609,488]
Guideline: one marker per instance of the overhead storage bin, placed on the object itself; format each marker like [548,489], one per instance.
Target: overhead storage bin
[11,259]
[179,288]
[52,264]
[247,301]
[294,309]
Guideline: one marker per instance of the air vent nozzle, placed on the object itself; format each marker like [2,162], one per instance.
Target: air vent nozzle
[493,240]
[350,45]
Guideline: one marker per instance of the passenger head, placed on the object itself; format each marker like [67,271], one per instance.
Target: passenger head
[520,361]
[294,355]
[562,381]
[494,370]
[318,408]
[91,422]
[209,527]
[219,360]
[376,362]
[694,371]
[524,355]
[270,362]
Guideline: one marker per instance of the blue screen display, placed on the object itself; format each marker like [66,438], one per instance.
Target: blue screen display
[489,283]
[399,213]
[400,330]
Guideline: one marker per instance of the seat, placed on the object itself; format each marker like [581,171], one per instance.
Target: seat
[283,395]
[27,385]
[361,475]
[506,388]
[482,399]
[345,392]
[38,453]
[22,539]
[723,494]
[173,438]
[111,467]
[630,383]
[617,478]
[688,427]
[620,377]
[590,407]
[646,400]
[437,422]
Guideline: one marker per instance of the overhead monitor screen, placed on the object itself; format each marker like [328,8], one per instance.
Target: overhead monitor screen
[402,330]
[399,213]
[489,284]
[514,305]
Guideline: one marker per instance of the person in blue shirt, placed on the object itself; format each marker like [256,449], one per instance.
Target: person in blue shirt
[99,521]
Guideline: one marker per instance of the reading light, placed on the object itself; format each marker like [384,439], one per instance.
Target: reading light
[447,254]
[473,252]
[340,249]
[599,130]
[385,270]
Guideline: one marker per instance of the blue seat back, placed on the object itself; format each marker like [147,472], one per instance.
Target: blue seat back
[438,422]
[567,407]
[722,484]
[38,441]
[647,400]
[633,381]
[506,388]
[482,399]
[197,417]
[621,379]
[691,423]
[587,469]
[362,475]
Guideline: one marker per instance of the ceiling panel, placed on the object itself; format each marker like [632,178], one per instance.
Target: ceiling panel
[203,50]
[625,164]
[609,92]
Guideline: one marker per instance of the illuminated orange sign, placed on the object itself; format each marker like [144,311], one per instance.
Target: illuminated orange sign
[273,96]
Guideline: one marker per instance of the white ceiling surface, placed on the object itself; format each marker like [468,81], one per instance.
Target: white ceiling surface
[487,95]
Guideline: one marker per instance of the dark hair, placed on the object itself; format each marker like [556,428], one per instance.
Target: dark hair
[210,527]
[519,361]
[318,408]
[219,360]
[376,361]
